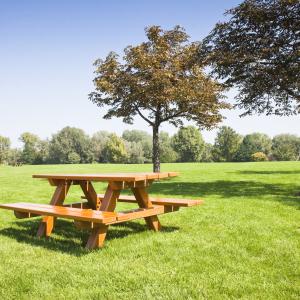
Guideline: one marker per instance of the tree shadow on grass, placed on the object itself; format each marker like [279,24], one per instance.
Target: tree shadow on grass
[285,193]
[66,238]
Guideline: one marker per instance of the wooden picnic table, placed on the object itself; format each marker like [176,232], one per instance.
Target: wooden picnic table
[98,212]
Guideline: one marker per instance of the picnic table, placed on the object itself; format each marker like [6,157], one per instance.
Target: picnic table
[97,211]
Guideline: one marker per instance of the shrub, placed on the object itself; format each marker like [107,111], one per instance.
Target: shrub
[259,156]
[73,158]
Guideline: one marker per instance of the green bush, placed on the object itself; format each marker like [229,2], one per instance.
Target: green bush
[73,158]
[259,156]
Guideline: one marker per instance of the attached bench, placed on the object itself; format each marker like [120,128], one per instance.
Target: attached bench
[156,201]
[84,216]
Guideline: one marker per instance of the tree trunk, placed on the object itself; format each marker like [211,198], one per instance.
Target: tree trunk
[155,153]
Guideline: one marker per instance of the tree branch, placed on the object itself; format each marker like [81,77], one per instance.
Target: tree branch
[143,117]
[172,116]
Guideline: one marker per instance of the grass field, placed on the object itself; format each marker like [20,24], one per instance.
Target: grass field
[243,243]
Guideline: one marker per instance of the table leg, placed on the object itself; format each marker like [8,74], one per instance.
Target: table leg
[97,237]
[143,200]
[90,194]
[108,203]
[47,223]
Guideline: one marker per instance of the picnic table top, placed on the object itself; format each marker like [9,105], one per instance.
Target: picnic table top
[109,176]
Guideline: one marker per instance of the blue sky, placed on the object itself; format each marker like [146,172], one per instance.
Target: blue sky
[48,47]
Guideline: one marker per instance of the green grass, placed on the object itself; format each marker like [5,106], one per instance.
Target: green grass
[243,243]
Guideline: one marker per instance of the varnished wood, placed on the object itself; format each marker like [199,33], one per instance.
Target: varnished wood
[143,200]
[54,182]
[78,205]
[97,237]
[24,215]
[47,224]
[126,177]
[108,203]
[97,213]
[128,215]
[109,200]
[171,208]
[140,213]
[90,194]
[84,225]
[62,212]
[159,201]
[60,193]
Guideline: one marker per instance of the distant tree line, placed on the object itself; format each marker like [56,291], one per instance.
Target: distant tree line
[73,146]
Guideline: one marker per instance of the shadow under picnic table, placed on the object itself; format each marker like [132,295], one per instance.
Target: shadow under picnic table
[68,239]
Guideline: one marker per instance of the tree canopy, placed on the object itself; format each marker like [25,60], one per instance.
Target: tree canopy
[161,81]
[137,139]
[253,143]
[4,149]
[114,150]
[73,145]
[257,51]
[34,148]
[70,145]
[189,144]
[226,144]
[286,147]
[98,142]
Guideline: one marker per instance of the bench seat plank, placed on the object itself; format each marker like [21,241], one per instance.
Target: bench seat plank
[140,213]
[128,215]
[63,212]
[158,201]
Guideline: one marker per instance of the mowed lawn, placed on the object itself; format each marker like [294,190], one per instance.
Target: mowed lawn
[242,243]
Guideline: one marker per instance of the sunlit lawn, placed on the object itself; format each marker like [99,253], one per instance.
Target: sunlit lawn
[243,243]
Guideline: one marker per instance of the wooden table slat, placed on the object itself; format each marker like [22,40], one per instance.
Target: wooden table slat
[108,177]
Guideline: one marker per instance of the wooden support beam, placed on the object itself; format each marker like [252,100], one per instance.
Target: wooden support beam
[143,200]
[109,200]
[97,237]
[159,201]
[82,205]
[90,194]
[139,213]
[108,203]
[47,224]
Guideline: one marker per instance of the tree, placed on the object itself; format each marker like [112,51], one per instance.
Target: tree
[15,157]
[160,81]
[188,143]
[257,50]
[31,148]
[98,142]
[68,141]
[167,153]
[142,137]
[42,155]
[4,149]
[114,150]
[207,153]
[252,143]
[226,144]
[135,153]
[286,147]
